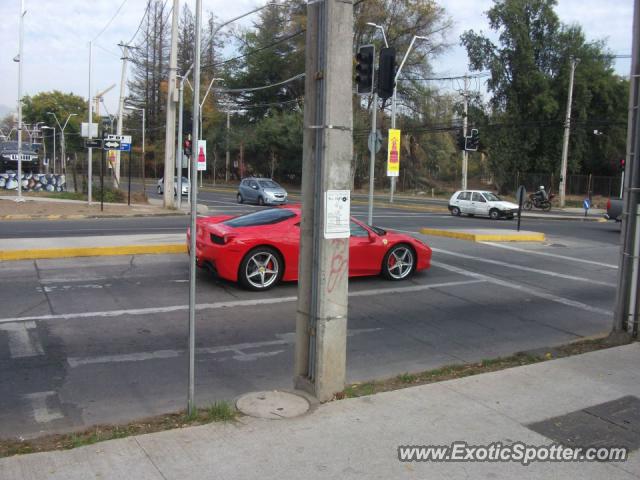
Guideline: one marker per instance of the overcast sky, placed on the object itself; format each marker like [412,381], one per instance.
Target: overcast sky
[57,33]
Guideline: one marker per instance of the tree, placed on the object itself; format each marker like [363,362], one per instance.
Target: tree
[35,109]
[529,71]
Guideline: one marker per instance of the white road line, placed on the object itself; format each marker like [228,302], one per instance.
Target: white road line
[523,288]
[547,254]
[238,349]
[41,411]
[526,269]
[218,305]
[22,344]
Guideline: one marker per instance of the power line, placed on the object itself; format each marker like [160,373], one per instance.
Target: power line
[146,11]
[112,19]
[252,52]
[255,89]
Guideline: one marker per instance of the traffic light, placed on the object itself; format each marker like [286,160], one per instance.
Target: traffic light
[186,147]
[472,142]
[386,72]
[364,69]
[622,164]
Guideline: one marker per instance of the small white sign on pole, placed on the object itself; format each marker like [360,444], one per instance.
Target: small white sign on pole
[202,155]
[337,211]
[84,130]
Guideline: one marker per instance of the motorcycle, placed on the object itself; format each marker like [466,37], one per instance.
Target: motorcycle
[537,202]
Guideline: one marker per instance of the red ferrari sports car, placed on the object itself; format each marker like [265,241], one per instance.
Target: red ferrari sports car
[260,249]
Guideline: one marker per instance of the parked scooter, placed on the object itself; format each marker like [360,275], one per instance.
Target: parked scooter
[537,202]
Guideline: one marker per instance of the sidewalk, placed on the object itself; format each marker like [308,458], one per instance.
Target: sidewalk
[359,438]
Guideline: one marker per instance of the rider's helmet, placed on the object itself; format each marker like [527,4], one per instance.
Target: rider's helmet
[541,187]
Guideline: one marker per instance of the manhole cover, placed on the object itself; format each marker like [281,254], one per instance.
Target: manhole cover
[272,404]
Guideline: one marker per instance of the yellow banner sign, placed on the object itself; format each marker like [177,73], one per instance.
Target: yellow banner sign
[393,153]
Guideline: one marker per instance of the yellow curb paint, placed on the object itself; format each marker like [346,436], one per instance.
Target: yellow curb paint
[33,254]
[16,217]
[485,237]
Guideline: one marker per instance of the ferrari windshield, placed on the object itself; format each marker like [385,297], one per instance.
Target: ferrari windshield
[263,217]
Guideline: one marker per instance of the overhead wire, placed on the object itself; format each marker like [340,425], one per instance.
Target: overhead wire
[110,21]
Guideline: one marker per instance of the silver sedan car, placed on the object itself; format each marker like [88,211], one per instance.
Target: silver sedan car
[185,186]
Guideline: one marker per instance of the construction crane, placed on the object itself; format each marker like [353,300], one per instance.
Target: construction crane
[98,97]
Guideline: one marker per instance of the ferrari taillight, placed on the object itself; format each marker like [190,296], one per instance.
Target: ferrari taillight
[221,240]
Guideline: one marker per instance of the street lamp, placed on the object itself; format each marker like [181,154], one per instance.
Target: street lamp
[63,162]
[381,28]
[131,107]
[394,98]
[46,127]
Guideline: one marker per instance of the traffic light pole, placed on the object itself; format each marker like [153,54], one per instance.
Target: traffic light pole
[465,155]
[372,151]
[565,139]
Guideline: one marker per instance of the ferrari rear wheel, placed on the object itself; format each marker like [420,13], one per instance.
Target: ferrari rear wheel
[399,262]
[260,269]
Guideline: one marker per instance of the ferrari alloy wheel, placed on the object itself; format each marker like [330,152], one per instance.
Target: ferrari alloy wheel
[260,269]
[398,263]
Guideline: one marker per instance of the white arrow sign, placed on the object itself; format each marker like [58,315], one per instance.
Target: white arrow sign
[110,144]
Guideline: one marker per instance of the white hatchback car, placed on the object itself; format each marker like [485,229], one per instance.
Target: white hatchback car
[480,202]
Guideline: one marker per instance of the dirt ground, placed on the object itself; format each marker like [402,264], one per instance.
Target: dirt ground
[48,208]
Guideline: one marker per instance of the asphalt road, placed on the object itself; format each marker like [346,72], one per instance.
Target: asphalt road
[224,203]
[88,341]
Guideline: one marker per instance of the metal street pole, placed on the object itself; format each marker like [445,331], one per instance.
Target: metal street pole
[90,150]
[465,155]
[193,189]
[140,109]
[20,60]
[374,116]
[565,140]
[123,79]
[228,156]
[51,165]
[372,151]
[322,309]
[394,100]
[172,99]
[627,306]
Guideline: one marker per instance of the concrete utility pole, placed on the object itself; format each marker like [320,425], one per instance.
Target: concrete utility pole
[565,140]
[19,59]
[628,300]
[172,99]
[321,321]
[465,155]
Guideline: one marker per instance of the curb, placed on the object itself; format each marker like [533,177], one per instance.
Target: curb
[485,237]
[81,216]
[41,253]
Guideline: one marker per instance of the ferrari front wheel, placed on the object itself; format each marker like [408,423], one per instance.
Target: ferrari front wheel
[398,263]
[260,269]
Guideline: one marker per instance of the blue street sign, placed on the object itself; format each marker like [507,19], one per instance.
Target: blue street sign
[125,147]
[586,204]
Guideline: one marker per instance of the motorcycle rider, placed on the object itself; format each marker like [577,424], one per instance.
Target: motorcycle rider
[540,195]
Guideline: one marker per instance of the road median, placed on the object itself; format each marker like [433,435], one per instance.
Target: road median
[96,246]
[485,234]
